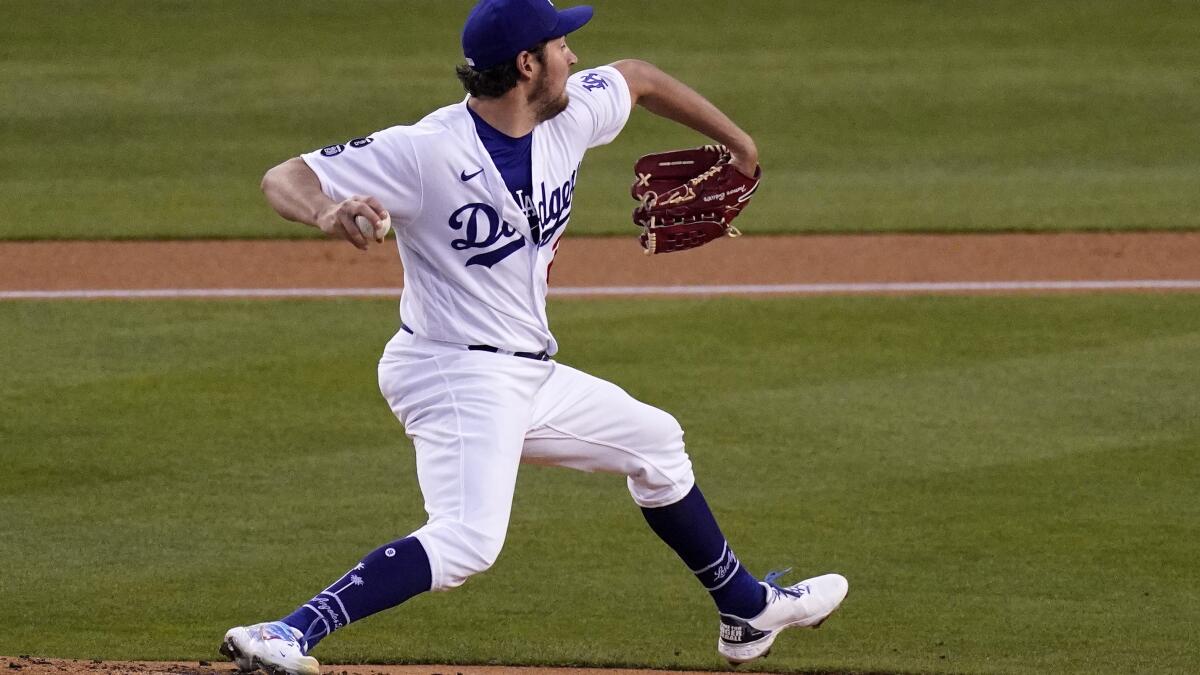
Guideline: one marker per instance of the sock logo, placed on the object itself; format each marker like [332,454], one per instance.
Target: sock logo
[725,569]
[328,612]
[721,571]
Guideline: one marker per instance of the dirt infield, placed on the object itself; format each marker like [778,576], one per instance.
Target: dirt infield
[29,266]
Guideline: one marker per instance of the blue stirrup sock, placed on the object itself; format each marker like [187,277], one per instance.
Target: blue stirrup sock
[395,572]
[688,527]
[388,576]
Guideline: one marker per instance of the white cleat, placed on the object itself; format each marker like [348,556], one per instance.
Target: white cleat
[274,647]
[806,604]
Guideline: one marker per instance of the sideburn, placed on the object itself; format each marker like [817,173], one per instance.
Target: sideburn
[545,107]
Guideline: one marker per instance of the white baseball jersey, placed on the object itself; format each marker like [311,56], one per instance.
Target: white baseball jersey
[472,272]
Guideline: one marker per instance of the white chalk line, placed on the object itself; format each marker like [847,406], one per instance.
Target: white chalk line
[592,291]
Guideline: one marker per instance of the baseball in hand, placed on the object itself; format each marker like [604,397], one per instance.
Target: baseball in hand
[370,231]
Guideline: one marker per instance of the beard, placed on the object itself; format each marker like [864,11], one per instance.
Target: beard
[547,105]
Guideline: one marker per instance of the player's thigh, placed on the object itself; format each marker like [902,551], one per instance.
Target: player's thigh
[586,423]
[467,413]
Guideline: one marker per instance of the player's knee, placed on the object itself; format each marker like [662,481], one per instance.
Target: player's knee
[458,551]
[662,434]
[663,474]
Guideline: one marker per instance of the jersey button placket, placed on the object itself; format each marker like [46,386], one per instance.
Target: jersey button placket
[539,178]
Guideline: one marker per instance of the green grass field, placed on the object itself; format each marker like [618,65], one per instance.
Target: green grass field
[1009,483]
[157,118]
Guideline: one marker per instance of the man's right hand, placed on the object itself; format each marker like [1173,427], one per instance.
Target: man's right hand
[337,220]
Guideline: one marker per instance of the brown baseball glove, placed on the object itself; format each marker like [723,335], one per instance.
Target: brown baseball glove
[689,197]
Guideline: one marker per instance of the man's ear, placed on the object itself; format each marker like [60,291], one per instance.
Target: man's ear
[525,64]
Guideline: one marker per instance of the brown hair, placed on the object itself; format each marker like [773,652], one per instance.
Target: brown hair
[497,80]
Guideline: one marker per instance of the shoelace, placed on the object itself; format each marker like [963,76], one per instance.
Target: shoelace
[278,631]
[770,581]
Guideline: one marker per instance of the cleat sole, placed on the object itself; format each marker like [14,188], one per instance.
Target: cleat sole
[835,609]
[231,652]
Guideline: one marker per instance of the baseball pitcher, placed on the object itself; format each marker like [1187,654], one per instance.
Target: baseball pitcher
[479,193]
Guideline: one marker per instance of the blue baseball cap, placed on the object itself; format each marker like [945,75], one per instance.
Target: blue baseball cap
[497,30]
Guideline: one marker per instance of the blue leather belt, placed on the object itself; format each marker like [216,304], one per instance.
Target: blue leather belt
[536,356]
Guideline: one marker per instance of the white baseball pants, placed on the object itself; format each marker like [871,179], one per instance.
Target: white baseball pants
[474,416]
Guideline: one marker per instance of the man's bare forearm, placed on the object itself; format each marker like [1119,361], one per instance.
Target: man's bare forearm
[294,191]
[667,97]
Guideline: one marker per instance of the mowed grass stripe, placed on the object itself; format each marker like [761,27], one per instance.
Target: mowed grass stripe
[1009,483]
[137,119]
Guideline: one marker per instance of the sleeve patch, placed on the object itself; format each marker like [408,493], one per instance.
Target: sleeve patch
[332,150]
[593,81]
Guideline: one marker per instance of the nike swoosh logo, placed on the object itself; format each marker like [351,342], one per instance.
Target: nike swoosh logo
[463,175]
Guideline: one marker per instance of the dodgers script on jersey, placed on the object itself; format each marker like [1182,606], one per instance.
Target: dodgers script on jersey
[473,273]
